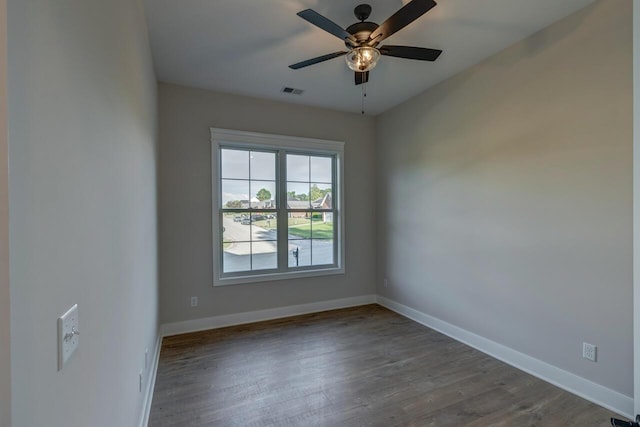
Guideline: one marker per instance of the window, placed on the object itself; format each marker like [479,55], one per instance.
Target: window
[277,207]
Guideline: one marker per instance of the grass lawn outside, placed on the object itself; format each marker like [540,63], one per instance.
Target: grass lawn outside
[298,221]
[301,227]
[320,230]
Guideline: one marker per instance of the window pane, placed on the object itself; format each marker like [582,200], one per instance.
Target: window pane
[322,251]
[264,227]
[264,261]
[263,165]
[320,227]
[235,227]
[226,219]
[299,225]
[299,253]
[320,196]
[264,235]
[263,194]
[297,168]
[236,257]
[234,163]
[297,195]
[235,194]
[321,170]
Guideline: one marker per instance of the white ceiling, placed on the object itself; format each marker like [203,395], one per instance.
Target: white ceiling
[245,46]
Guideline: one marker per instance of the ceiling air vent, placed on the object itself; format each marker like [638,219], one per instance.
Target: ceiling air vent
[292,91]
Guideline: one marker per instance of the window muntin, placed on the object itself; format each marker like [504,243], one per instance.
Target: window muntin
[278,207]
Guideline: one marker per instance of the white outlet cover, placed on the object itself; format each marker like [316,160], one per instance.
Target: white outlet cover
[68,335]
[589,351]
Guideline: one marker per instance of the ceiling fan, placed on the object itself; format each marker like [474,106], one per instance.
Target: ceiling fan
[362,39]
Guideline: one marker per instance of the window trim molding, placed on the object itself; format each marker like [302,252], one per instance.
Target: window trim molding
[248,140]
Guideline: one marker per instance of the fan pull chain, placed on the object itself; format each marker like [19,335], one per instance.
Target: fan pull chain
[364,95]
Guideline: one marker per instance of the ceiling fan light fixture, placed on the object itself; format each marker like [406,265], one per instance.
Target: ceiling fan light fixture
[363,58]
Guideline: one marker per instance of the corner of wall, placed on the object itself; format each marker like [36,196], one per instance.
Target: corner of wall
[636,202]
[5,289]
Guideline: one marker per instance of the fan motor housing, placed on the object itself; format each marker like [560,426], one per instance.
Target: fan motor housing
[362,11]
[361,31]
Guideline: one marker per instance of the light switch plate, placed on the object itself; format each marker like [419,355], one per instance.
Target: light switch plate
[68,335]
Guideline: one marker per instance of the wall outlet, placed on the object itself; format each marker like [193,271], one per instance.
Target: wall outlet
[589,351]
[140,381]
[386,283]
[194,301]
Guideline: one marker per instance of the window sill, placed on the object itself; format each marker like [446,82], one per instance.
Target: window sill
[238,280]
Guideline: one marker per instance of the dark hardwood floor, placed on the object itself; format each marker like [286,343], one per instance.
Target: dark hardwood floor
[363,366]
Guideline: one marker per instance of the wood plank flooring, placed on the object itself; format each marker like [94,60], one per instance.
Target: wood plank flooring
[362,366]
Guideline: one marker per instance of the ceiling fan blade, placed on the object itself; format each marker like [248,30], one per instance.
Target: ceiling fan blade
[403,17]
[326,24]
[410,52]
[362,77]
[316,60]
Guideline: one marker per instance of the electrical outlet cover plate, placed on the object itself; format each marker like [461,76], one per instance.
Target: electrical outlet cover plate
[68,339]
[589,351]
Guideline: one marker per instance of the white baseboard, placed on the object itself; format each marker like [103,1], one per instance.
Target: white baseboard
[596,393]
[151,383]
[261,315]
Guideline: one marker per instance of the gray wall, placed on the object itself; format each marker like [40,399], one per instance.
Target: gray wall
[505,201]
[82,186]
[5,299]
[185,201]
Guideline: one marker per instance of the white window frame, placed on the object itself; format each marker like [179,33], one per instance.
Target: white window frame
[253,140]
